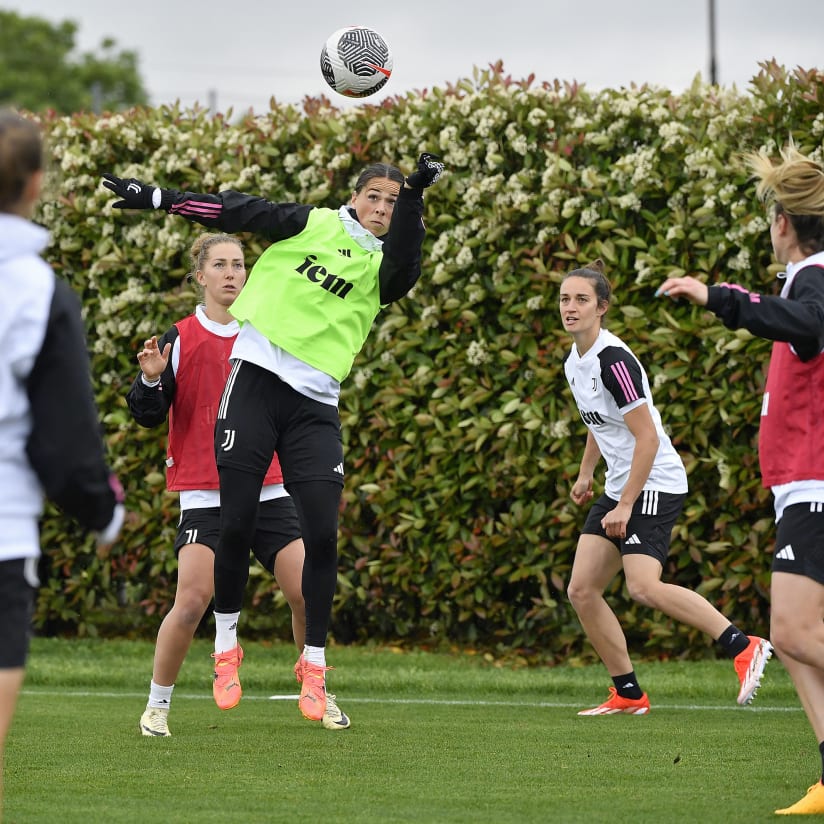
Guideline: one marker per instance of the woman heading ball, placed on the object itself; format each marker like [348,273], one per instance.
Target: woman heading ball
[305,314]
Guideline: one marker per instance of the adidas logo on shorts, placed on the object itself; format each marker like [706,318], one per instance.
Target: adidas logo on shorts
[786,553]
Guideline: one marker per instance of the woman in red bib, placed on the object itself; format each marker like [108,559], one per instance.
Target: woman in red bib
[791,437]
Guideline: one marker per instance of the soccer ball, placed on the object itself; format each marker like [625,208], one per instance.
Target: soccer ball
[356,61]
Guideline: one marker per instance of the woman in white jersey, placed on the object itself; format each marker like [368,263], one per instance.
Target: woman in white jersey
[305,314]
[50,440]
[791,434]
[182,377]
[629,526]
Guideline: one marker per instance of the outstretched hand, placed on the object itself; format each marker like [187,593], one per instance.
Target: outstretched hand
[430,168]
[133,193]
[685,287]
[152,361]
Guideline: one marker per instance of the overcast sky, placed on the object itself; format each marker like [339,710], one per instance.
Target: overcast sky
[200,50]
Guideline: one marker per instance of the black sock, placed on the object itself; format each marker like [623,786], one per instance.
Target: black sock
[627,686]
[821,750]
[733,641]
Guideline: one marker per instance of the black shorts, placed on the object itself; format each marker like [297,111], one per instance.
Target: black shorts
[18,586]
[799,541]
[277,526]
[649,529]
[259,414]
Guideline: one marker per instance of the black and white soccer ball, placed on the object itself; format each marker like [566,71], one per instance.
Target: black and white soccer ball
[356,61]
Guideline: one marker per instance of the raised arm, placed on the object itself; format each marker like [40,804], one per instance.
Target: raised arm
[153,391]
[228,211]
[401,264]
[798,321]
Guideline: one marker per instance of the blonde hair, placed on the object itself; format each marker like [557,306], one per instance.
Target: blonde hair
[795,185]
[199,250]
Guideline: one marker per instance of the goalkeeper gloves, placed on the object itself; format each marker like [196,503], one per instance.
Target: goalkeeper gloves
[133,193]
[429,170]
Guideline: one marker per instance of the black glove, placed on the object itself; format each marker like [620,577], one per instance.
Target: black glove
[429,170]
[136,195]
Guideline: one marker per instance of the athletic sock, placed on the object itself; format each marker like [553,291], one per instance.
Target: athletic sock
[315,655]
[821,750]
[733,641]
[159,696]
[226,631]
[627,686]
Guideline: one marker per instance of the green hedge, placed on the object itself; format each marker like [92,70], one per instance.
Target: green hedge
[461,437]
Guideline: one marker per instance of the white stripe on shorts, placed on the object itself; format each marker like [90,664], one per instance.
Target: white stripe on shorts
[30,572]
[649,502]
[227,390]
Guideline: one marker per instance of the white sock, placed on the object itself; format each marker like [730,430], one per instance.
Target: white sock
[315,655]
[159,696]
[226,631]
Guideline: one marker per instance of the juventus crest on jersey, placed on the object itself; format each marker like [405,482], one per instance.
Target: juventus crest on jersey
[607,382]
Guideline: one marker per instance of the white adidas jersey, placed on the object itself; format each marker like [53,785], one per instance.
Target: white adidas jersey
[607,382]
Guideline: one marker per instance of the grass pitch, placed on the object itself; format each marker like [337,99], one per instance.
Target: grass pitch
[434,738]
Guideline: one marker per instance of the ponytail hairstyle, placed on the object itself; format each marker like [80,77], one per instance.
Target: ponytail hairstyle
[594,273]
[795,187]
[21,156]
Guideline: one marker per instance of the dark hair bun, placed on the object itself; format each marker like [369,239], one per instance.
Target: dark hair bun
[597,265]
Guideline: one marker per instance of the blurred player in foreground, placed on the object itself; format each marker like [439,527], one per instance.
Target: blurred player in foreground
[50,439]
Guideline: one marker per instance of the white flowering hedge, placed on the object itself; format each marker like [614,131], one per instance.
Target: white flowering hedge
[461,438]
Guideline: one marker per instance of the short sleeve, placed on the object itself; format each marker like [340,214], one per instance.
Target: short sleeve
[622,376]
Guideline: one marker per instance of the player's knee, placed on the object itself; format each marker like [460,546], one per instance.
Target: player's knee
[236,537]
[237,531]
[787,638]
[581,595]
[295,600]
[292,588]
[317,503]
[643,593]
[321,546]
[190,607]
